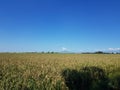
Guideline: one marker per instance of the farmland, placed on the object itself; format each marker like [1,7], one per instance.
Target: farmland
[35,71]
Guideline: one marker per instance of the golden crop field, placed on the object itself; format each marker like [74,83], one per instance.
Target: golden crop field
[35,71]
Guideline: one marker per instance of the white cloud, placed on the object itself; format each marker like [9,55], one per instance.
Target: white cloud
[64,49]
[113,49]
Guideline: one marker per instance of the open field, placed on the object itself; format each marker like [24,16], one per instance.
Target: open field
[34,71]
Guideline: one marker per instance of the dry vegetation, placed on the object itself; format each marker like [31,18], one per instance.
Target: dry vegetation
[27,71]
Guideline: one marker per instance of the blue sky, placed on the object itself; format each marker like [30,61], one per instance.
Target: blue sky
[58,25]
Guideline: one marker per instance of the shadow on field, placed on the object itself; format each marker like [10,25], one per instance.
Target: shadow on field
[87,78]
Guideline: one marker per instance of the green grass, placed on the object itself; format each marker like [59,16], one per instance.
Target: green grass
[33,71]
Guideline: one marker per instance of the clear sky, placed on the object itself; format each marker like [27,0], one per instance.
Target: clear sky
[59,25]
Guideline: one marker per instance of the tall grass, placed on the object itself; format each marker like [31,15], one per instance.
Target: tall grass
[32,71]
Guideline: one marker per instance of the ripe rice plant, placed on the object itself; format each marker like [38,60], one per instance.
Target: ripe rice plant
[35,71]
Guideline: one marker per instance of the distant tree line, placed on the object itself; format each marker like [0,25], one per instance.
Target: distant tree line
[101,52]
[52,52]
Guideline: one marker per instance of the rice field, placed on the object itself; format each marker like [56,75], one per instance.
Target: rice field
[36,71]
